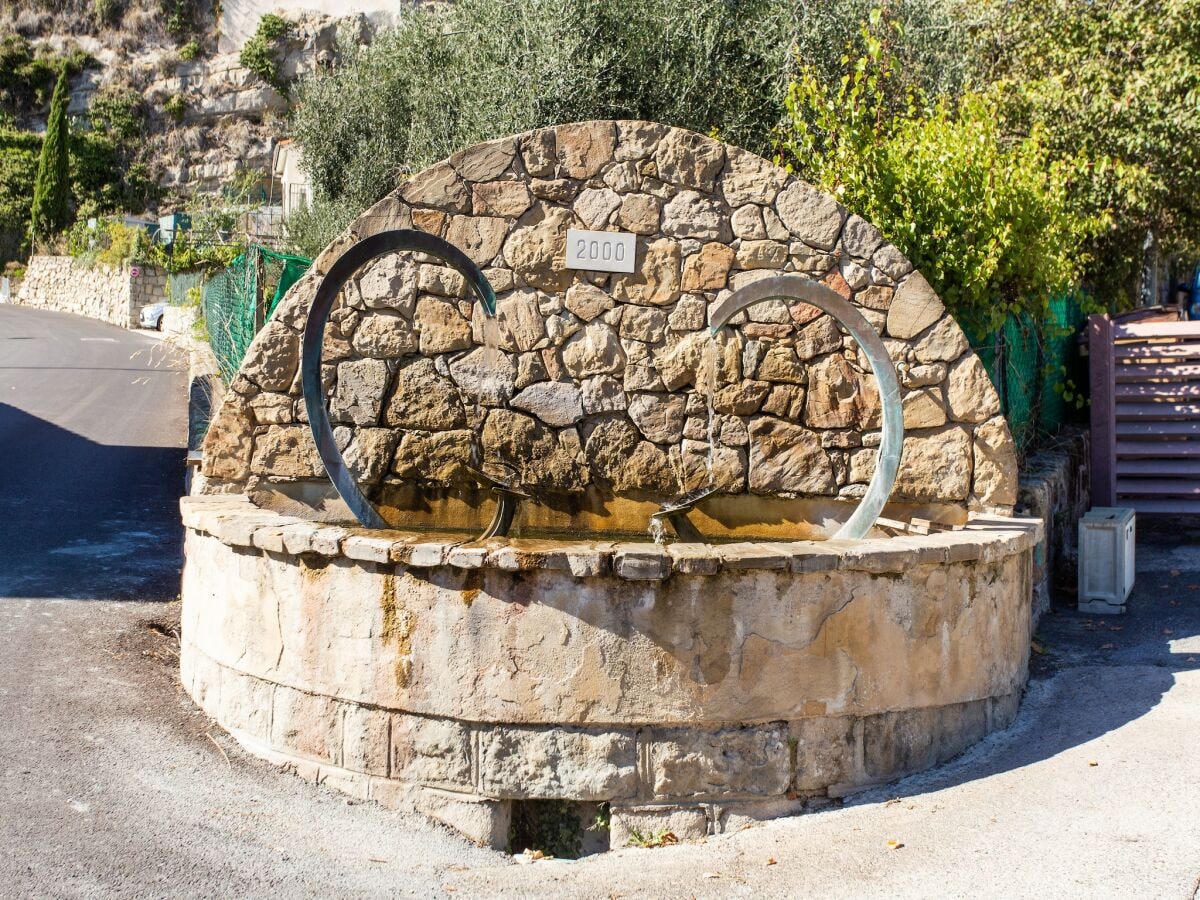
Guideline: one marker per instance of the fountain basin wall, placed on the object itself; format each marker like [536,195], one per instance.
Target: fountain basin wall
[691,687]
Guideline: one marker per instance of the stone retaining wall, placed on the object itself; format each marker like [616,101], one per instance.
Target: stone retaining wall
[111,295]
[690,686]
[1055,487]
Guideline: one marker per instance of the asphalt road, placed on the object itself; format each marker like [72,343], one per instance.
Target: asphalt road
[112,784]
[92,430]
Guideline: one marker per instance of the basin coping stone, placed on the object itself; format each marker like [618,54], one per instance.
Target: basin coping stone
[236,521]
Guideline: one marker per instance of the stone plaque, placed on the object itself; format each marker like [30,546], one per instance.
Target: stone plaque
[600,251]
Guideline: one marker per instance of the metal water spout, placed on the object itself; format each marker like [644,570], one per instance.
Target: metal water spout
[797,287]
[342,270]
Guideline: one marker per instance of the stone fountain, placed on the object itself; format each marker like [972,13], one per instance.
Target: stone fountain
[418,562]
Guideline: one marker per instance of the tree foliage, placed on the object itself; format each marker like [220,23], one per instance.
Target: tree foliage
[51,188]
[452,75]
[986,217]
[1116,82]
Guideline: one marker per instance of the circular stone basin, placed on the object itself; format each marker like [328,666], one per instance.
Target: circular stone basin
[693,687]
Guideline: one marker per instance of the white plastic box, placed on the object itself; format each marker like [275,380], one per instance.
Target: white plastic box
[1106,542]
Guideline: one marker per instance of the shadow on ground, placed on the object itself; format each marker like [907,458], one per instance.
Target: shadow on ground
[85,520]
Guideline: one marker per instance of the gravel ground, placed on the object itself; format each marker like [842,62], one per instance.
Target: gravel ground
[114,785]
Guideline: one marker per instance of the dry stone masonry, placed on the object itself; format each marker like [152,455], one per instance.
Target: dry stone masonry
[115,296]
[591,386]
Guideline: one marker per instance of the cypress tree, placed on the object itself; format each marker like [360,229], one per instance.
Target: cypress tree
[51,188]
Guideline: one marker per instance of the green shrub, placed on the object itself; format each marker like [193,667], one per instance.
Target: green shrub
[986,218]
[261,53]
[1118,82]
[117,112]
[452,75]
[178,17]
[28,75]
[189,51]
[175,107]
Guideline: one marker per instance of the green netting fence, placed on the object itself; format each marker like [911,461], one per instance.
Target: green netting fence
[241,299]
[1030,363]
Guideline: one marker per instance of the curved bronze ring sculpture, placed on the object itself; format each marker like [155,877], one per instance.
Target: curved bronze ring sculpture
[797,287]
[335,279]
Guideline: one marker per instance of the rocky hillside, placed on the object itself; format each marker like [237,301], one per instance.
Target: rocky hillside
[193,117]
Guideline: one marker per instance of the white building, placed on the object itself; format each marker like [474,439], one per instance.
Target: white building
[295,186]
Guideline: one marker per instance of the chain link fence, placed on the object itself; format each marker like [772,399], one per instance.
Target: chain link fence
[1036,367]
[240,300]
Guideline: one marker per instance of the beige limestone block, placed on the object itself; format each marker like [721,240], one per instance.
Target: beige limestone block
[708,270]
[595,205]
[689,160]
[656,281]
[995,482]
[637,140]
[583,148]
[640,213]
[273,357]
[507,199]
[935,466]
[748,178]
[361,385]
[557,403]
[924,409]
[810,215]
[286,451]
[439,187]
[424,400]
[915,306]
[785,458]
[762,255]
[441,327]
[587,301]
[438,456]
[486,161]
[229,442]
[385,335]
[479,237]
[839,396]
[969,392]
[596,350]
[536,249]
[945,342]
[690,214]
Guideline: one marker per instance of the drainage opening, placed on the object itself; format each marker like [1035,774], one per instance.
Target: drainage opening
[564,829]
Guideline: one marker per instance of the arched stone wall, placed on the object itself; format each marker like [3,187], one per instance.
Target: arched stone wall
[586,383]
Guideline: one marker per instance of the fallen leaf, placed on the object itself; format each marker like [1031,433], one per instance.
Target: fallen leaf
[1092,762]
[1175,603]
[770,860]
[1174,573]
[712,874]
[1108,646]
[1168,631]
[1193,587]
[894,845]
[1115,627]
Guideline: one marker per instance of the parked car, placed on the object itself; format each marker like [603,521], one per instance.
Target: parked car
[152,316]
